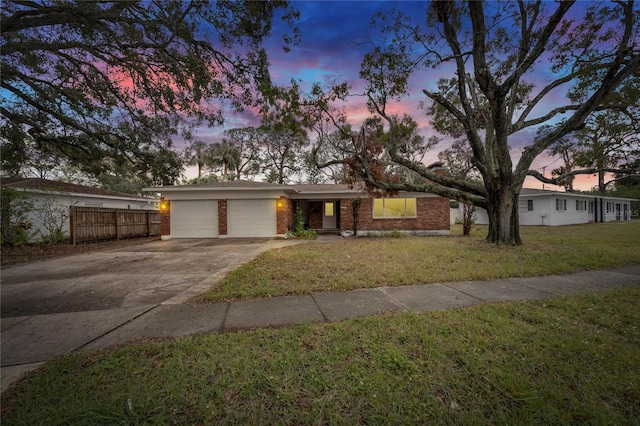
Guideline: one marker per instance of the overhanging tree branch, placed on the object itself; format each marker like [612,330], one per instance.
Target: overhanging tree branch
[559,179]
[135,69]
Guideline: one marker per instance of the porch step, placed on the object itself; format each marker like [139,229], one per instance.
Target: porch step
[327,231]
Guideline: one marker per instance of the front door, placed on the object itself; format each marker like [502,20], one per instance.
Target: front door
[329,218]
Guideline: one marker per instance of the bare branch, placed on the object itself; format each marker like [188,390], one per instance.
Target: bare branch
[559,179]
[540,46]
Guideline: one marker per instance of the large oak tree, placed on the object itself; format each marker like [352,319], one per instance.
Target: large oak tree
[514,66]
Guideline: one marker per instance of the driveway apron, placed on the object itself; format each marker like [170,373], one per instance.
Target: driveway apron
[54,307]
[148,274]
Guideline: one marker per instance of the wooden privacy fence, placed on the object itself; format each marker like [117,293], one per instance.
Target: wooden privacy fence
[96,224]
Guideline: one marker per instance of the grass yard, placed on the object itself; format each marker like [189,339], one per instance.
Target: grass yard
[372,262]
[569,360]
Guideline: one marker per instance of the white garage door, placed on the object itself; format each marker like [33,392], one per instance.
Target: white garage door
[194,219]
[251,218]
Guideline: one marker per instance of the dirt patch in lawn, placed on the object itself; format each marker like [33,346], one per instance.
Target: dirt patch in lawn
[36,252]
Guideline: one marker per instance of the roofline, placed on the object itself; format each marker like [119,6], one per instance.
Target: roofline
[571,194]
[275,187]
[345,191]
[186,188]
[84,194]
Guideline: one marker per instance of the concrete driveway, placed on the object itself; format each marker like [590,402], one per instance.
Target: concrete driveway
[129,277]
[57,306]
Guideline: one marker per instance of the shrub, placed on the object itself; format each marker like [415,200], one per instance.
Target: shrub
[298,230]
[15,208]
[53,216]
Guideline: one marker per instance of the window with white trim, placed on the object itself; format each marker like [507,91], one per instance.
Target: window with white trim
[384,208]
[590,206]
[581,205]
[609,207]
[561,204]
[529,205]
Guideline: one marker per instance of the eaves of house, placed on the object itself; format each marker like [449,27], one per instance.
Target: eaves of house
[45,186]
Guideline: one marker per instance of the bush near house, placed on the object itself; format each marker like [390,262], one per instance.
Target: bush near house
[298,229]
[17,211]
[14,211]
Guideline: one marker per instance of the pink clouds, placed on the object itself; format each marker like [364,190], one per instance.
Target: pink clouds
[334,41]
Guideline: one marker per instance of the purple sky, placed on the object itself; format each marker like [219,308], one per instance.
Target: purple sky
[334,41]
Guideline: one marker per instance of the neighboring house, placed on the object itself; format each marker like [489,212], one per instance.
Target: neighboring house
[257,209]
[553,208]
[51,198]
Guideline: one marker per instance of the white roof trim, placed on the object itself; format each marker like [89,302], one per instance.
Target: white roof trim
[557,194]
[86,195]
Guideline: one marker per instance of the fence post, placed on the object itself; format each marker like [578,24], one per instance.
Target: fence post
[115,213]
[72,224]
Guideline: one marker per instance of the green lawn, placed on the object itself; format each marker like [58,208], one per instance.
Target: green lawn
[569,360]
[373,262]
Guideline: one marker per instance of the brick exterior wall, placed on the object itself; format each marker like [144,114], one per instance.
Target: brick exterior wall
[165,218]
[222,217]
[346,215]
[315,214]
[286,208]
[432,215]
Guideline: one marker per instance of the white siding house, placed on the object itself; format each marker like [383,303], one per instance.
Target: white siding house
[55,198]
[554,208]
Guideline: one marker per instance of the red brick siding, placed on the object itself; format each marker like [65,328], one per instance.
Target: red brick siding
[346,215]
[222,217]
[165,218]
[285,210]
[432,215]
[315,214]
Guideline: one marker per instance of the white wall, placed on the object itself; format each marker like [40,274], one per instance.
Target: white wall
[620,209]
[544,211]
[455,215]
[571,215]
[61,203]
[540,215]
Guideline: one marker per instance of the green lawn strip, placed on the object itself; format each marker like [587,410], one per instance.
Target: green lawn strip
[373,262]
[560,361]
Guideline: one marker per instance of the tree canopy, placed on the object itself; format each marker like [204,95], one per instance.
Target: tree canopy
[496,53]
[608,142]
[96,82]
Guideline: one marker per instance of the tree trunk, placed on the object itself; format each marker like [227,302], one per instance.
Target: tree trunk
[602,188]
[503,216]
[468,218]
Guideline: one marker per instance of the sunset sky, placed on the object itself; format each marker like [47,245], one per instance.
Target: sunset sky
[334,41]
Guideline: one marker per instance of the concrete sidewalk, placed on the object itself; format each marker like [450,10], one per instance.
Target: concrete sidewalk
[29,341]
